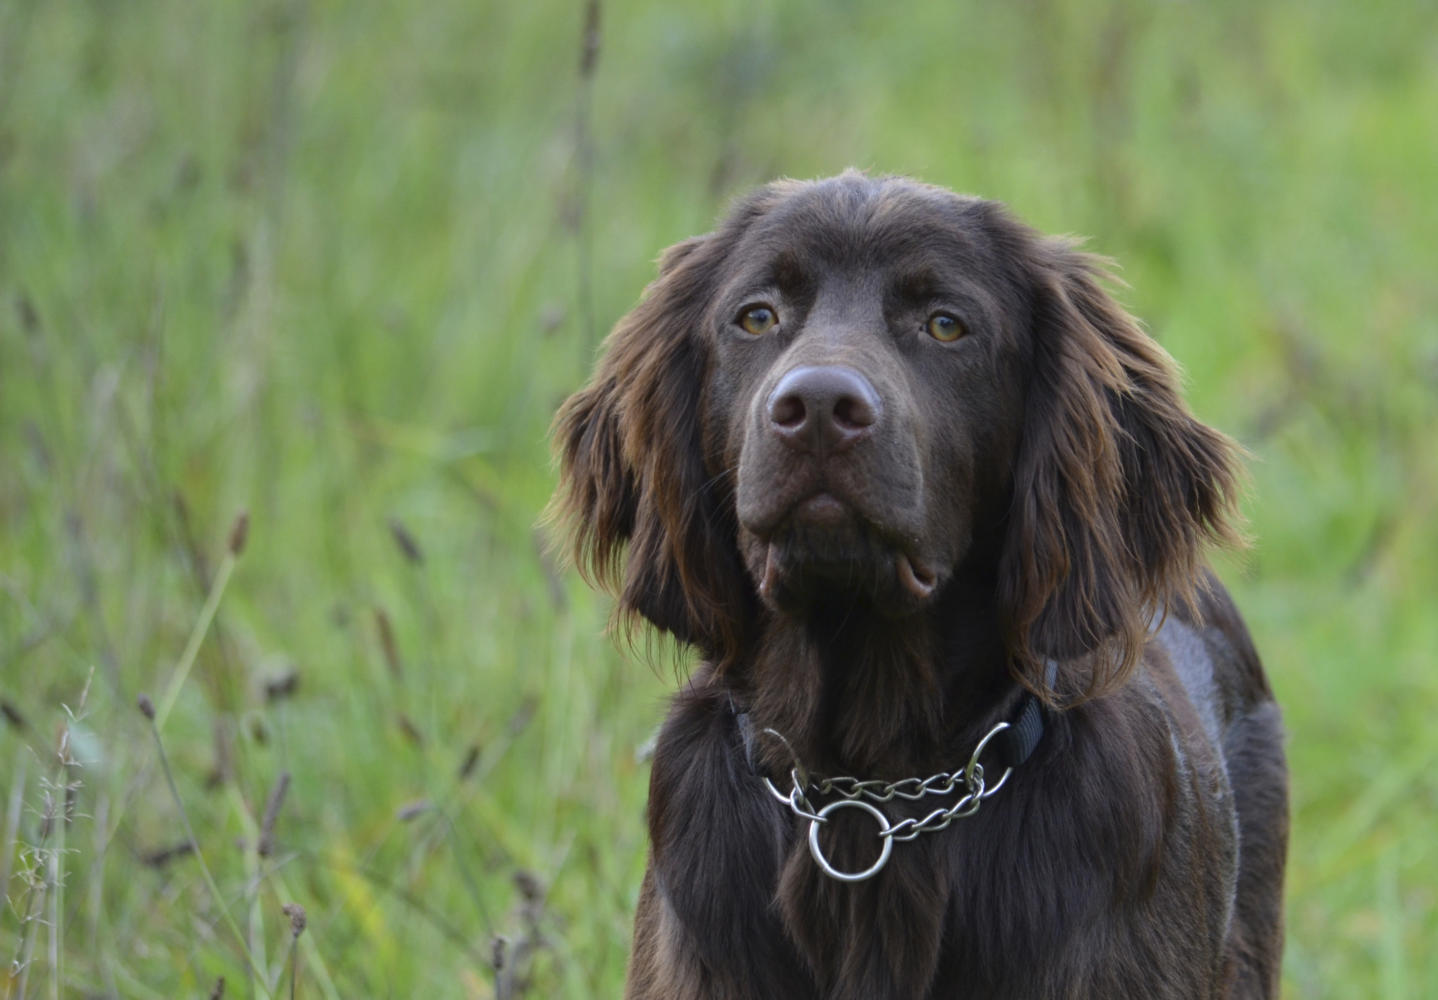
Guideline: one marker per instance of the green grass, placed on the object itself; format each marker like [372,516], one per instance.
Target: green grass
[335,264]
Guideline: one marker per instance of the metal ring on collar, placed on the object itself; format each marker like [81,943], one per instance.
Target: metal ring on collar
[818,852]
[974,762]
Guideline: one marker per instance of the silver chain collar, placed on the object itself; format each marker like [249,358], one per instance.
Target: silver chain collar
[869,794]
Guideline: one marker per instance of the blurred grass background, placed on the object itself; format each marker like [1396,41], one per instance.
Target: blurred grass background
[336,263]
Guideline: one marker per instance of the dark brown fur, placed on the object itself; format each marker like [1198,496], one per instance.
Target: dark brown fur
[1035,490]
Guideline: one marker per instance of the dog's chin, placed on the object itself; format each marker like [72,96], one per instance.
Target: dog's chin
[823,554]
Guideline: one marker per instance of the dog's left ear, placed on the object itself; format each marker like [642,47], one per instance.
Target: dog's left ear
[1117,488]
[632,473]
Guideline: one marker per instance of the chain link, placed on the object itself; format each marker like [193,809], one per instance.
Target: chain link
[865,791]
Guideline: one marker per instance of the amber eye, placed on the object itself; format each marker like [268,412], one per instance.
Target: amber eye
[758,320]
[945,327]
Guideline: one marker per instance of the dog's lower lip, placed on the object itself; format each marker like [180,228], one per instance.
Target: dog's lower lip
[915,577]
[771,573]
[822,508]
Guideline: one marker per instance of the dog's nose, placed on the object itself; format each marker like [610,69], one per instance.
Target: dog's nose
[824,408]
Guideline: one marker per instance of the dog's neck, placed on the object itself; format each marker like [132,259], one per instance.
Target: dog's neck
[854,692]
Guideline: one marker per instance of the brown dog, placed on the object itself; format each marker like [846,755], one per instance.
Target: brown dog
[928,504]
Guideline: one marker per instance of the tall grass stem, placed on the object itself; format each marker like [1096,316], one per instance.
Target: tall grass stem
[192,648]
[256,975]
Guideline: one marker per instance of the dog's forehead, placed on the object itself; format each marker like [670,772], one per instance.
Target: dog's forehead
[854,223]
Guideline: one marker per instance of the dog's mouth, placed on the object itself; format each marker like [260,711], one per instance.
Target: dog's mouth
[825,550]
[916,578]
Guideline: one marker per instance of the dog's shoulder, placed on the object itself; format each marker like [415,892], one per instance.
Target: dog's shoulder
[718,839]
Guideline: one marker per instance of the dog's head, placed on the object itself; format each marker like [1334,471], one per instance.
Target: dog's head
[856,389]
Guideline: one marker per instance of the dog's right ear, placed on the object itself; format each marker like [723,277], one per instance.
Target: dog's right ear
[631,464]
[1118,489]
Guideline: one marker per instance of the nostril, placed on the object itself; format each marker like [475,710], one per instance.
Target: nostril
[853,413]
[787,411]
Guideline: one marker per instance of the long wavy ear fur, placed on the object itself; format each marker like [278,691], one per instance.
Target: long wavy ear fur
[1117,487]
[632,469]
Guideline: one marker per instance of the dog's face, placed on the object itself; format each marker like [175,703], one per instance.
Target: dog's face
[855,390]
[865,384]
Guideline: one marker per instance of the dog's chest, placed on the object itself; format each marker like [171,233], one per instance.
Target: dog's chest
[947,916]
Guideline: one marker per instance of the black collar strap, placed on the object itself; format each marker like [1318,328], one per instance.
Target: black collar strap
[1012,747]
[1017,743]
